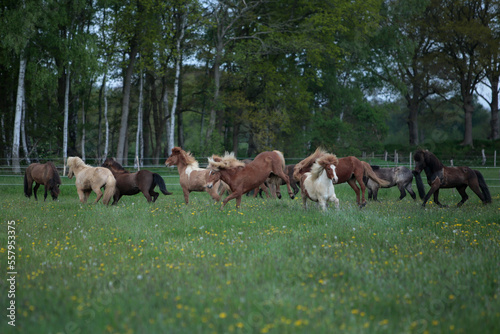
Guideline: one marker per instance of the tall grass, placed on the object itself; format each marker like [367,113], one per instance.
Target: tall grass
[270,267]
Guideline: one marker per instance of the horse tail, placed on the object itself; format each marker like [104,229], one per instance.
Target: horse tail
[158,180]
[282,158]
[420,184]
[27,188]
[371,174]
[110,189]
[54,180]
[484,187]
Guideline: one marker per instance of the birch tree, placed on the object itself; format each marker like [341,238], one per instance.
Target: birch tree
[16,136]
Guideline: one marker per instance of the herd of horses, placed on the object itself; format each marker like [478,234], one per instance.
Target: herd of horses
[316,176]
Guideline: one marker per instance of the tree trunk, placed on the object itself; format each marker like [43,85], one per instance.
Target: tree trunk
[17,120]
[412,122]
[23,132]
[215,101]
[66,113]
[178,60]
[469,110]
[495,133]
[83,130]
[139,141]
[236,133]
[127,84]
[106,123]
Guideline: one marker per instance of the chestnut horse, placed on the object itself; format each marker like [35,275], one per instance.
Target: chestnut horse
[192,178]
[242,178]
[133,183]
[45,174]
[90,178]
[440,176]
[349,169]
[317,185]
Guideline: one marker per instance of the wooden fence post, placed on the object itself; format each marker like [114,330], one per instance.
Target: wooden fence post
[484,157]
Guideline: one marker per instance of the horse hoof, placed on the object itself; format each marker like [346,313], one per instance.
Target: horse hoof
[279,196]
[292,196]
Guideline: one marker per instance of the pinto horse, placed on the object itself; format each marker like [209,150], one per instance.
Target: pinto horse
[400,176]
[191,176]
[349,169]
[242,178]
[440,176]
[133,183]
[45,174]
[317,185]
[90,178]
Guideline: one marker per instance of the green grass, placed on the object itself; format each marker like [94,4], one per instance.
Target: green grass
[272,267]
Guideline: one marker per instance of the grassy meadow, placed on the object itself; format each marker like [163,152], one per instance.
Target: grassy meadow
[270,267]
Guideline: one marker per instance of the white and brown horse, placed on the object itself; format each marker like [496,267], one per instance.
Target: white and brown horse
[191,176]
[90,179]
[317,185]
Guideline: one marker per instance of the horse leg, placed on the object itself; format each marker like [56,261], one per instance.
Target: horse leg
[401,191]
[185,191]
[236,194]
[82,195]
[410,191]
[359,178]
[335,200]
[477,190]
[374,192]
[45,193]
[285,178]
[116,197]
[322,203]
[352,183]
[436,199]
[98,192]
[35,189]
[434,187]
[465,197]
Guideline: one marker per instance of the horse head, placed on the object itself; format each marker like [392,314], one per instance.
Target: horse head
[420,161]
[329,162]
[173,159]
[213,178]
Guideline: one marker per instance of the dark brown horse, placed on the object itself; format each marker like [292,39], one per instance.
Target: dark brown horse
[242,178]
[45,174]
[349,169]
[133,183]
[440,176]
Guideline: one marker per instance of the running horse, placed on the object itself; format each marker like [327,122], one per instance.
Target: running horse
[317,185]
[241,177]
[191,176]
[349,169]
[133,183]
[90,179]
[400,176]
[440,176]
[45,174]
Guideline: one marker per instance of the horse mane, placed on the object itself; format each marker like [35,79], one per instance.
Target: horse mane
[115,165]
[319,165]
[429,159]
[186,157]
[76,162]
[228,161]
[306,164]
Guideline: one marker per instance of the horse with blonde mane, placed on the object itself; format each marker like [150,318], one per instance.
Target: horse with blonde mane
[242,178]
[90,179]
[191,176]
[349,169]
[317,185]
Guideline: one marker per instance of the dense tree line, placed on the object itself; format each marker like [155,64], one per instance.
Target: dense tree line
[102,77]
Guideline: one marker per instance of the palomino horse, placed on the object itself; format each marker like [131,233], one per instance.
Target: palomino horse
[440,176]
[349,169]
[90,178]
[317,185]
[45,174]
[400,176]
[242,178]
[192,178]
[133,183]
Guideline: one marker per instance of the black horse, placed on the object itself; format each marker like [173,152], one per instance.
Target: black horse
[400,176]
[440,176]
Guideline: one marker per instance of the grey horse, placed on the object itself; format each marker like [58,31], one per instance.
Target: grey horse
[400,176]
